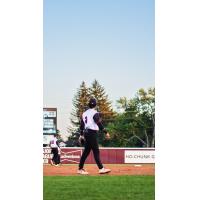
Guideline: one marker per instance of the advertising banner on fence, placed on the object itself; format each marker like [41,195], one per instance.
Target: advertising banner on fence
[72,155]
[138,156]
[68,155]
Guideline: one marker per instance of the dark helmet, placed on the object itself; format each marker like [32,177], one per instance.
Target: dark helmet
[92,103]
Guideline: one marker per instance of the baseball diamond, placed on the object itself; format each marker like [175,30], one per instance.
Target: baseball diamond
[116,169]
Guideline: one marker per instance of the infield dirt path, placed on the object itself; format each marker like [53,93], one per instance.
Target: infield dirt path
[71,170]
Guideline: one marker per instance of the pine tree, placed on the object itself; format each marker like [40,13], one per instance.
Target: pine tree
[104,106]
[80,103]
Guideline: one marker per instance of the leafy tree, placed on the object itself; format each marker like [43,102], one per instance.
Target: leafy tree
[123,103]
[146,107]
[135,126]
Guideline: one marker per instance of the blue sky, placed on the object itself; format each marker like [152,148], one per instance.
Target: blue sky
[111,41]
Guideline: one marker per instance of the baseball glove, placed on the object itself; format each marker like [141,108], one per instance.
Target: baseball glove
[81,140]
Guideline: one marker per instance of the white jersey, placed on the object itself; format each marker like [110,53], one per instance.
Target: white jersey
[88,119]
[53,143]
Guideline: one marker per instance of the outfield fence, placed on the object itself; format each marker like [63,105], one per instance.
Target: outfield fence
[70,155]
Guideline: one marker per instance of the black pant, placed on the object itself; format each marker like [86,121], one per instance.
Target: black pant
[91,143]
[56,156]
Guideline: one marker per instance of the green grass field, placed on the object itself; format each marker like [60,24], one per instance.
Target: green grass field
[99,188]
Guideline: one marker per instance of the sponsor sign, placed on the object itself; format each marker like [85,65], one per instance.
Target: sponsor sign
[139,156]
[67,155]
[71,155]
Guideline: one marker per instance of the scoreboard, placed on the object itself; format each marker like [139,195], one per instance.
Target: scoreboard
[49,121]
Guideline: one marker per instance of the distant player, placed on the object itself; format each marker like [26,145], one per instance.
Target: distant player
[90,124]
[55,150]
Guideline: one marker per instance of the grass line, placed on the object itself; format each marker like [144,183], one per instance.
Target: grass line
[99,188]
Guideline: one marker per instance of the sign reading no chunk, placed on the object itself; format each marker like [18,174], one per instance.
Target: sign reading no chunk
[142,156]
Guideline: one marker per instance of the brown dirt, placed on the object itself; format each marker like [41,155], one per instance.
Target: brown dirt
[124,169]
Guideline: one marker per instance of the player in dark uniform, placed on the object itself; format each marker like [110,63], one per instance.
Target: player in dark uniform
[90,125]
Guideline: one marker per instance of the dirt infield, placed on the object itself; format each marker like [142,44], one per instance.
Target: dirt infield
[124,169]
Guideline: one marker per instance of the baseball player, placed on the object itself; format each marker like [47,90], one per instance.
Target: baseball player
[90,124]
[55,150]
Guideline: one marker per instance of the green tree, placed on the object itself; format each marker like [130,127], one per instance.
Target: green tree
[104,106]
[80,103]
[72,140]
[135,125]
[146,108]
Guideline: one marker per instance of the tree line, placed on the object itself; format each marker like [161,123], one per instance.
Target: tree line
[132,125]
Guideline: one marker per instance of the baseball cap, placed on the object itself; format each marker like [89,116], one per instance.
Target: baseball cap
[92,103]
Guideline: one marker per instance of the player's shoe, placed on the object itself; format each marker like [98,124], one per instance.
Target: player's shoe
[82,172]
[51,162]
[104,171]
